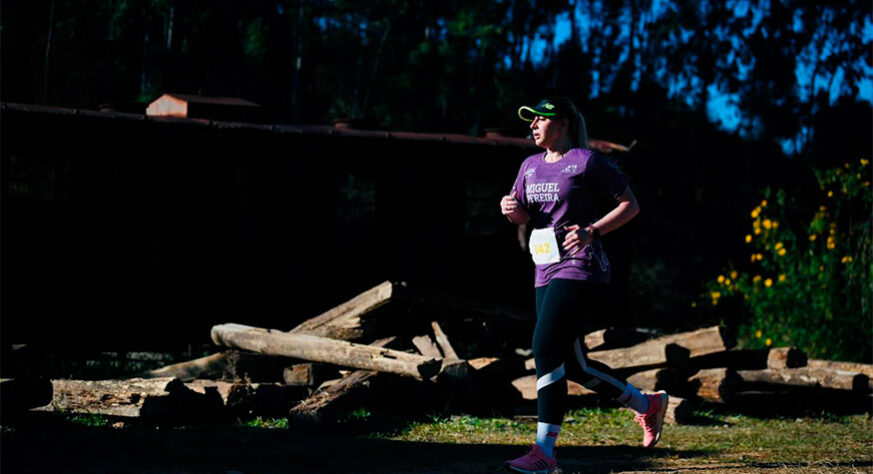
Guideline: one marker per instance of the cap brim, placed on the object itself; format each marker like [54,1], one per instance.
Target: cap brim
[528,114]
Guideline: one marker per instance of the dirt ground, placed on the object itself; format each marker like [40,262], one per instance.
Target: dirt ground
[45,443]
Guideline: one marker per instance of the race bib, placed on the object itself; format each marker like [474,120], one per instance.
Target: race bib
[544,246]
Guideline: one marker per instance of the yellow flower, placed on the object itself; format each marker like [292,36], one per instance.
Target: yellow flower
[764,203]
[727,282]
[694,304]
[846,259]
[755,212]
[821,268]
[775,224]
[758,334]
[768,342]
[767,223]
[812,237]
[822,208]
[748,238]
[715,295]
[782,278]
[830,194]
[756,278]
[768,282]
[781,252]
[846,165]
[734,274]
[864,162]
[757,230]
[760,257]
[778,245]
[866,184]
[720,278]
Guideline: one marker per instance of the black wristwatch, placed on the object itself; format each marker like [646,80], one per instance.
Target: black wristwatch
[593,231]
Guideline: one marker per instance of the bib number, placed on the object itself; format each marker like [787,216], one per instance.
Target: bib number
[544,246]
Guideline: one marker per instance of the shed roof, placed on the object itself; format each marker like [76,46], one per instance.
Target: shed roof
[602,145]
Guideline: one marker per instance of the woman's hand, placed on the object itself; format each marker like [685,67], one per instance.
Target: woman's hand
[575,239]
[508,204]
[509,208]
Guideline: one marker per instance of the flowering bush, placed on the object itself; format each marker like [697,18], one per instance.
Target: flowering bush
[807,282]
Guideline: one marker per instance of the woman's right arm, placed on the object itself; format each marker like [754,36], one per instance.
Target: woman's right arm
[510,208]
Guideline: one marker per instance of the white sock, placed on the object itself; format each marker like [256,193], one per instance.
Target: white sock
[634,399]
[547,436]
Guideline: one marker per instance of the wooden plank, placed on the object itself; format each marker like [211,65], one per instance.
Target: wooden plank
[322,349]
[348,321]
[326,406]
[229,366]
[443,341]
[426,346]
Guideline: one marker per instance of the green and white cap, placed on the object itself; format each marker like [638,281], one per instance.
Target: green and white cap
[546,108]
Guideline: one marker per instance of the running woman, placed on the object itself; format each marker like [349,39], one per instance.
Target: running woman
[556,192]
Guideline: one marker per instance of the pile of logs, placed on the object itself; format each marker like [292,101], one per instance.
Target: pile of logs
[322,371]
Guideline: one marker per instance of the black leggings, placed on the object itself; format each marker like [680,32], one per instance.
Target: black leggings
[566,311]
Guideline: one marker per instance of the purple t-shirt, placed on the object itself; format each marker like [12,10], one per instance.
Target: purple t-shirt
[565,193]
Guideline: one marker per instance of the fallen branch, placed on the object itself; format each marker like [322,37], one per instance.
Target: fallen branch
[321,349]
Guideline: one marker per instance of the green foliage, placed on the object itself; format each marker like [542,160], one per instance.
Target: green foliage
[271,423]
[808,280]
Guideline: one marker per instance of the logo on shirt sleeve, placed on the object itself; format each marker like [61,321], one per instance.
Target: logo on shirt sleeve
[570,169]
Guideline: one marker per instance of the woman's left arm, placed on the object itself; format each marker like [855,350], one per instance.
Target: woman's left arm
[626,208]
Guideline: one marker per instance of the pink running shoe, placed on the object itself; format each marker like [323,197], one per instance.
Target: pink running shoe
[534,462]
[653,419]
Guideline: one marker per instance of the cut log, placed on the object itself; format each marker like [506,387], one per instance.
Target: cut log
[715,385]
[309,374]
[785,358]
[158,398]
[653,380]
[527,386]
[328,405]
[671,350]
[612,338]
[866,369]
[805,377]
[680,411]
[18,395]
[751,359]
[322,349]
[426,346]
[349,320]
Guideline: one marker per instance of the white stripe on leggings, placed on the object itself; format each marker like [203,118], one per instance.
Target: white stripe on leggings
[598,375]
[550,377]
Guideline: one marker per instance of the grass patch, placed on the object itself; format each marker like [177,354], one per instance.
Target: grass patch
[89,419]
[732,439]
[270,423]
